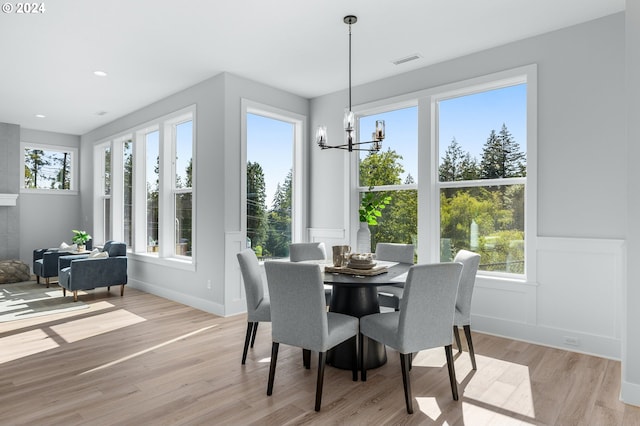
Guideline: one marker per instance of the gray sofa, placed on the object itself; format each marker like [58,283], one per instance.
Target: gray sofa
[80,272]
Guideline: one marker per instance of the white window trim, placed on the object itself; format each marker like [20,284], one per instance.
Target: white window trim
[166,256]
[428,181]
[58,148]
[299,172]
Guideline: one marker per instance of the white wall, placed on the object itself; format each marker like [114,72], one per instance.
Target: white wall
[216,186]
[581,204]
[46,220]
[631,348]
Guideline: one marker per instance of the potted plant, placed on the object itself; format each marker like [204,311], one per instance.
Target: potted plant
[80,238]
[370,210]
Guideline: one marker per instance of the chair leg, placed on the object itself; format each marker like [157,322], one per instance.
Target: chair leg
[108,288]
[355,361]
[321,364]
[472,354]
[246,341]
[306,358]
[364,343]
[38,279]
[75,295]
[47,281]
[456,335]
[121,290]
[408,399]
[452,372]
[254,332]
[64,292]
[272,367]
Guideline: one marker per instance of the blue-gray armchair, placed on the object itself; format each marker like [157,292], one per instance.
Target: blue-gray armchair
[45,262]
[85,273]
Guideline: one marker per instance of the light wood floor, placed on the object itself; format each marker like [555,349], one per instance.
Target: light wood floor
[143,360]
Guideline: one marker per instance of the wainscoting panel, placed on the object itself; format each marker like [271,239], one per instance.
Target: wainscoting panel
[234,296]
[576,304]
[330,237]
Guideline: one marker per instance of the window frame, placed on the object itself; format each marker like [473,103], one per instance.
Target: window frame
[73,190]
[397,104]
[298,169]
[166,226]
[428,185]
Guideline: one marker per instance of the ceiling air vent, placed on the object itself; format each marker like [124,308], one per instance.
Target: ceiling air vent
[407,59]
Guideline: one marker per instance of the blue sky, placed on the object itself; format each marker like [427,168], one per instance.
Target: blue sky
[469,119]
[270,143]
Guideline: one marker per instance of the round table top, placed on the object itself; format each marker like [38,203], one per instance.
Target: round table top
[396,274]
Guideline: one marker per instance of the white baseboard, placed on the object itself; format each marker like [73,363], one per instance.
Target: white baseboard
[194,302]
[589,344]
[630,393]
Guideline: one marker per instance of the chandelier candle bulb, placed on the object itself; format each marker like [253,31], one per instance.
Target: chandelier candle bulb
[379,130]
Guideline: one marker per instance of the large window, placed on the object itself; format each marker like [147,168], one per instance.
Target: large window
[273,153]
[388,179]
[48,168]
[145,187]
[472,145]
[269,185]
[482,173]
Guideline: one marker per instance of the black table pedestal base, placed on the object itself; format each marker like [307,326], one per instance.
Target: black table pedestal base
[357,302]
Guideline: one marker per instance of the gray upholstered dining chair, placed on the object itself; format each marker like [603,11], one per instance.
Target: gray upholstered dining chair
[424,321]
[299,252]
[299,317]
[390,295]
[462,318]
[258,305]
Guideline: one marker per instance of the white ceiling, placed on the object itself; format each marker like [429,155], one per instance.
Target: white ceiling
[153,48]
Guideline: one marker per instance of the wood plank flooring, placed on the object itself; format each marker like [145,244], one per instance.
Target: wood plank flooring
[144,360]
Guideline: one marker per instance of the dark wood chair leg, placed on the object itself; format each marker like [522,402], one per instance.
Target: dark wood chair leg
[254,332]
[108,288]
[47,281]
[356,363]
[321,364]
[306,358]
[452,372]
[408,399]
[38,279]
[364,342]
[246,341]
[456,335]
[472,354]
[272,367]
[64,292]
[122,290]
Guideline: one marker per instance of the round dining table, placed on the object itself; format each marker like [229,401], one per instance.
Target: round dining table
[357,295]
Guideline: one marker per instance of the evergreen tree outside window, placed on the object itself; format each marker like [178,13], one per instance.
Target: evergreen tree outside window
[482,183]
[48,167]
[270,144]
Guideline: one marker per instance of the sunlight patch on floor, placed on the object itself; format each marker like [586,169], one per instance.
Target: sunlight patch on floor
[84,328]
[430,407]
[153,348]
[28,343]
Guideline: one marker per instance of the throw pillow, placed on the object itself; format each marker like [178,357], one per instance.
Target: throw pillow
[68,247]
[97,254]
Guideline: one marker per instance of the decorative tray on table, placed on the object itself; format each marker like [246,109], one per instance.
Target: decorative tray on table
[359,264]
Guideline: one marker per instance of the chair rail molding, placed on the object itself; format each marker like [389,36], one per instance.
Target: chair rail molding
[8,200]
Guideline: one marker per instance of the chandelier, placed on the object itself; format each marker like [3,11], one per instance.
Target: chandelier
[350,118]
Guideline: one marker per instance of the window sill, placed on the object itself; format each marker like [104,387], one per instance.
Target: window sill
[170,262]
[49,191]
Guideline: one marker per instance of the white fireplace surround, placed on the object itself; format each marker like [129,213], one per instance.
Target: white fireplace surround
[8,199]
